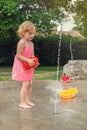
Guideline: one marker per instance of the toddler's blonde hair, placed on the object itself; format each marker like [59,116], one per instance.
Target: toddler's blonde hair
[25,26]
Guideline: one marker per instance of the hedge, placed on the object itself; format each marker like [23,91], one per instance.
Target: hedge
[46,48]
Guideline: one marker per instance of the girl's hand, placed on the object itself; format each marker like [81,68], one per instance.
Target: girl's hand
[30,62]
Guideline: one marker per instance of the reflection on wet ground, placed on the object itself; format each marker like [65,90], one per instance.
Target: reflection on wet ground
[71,113]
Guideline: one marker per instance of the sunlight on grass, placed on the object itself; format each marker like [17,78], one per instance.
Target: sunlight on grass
[5,77]
[41,73]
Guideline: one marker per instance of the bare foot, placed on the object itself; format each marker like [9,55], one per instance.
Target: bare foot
[24,105]
[30,104]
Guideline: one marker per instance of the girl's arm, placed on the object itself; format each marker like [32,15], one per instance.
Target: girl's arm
[33,50]
[20,47]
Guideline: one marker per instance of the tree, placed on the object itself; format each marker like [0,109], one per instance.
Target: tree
[9,18]
[40,12]
[80,10]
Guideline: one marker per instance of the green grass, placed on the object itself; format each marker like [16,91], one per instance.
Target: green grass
[5,69]
[41,73]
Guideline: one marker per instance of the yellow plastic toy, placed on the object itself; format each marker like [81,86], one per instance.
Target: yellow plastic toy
[69,93]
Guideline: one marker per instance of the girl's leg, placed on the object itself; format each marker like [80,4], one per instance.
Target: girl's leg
[23,95]
[28,94]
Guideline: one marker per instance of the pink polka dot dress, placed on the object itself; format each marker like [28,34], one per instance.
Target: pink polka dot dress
[19,73]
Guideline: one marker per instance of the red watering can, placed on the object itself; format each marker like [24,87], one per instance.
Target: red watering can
[27,66]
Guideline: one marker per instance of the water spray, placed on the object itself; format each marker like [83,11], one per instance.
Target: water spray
[58,64]
[58,61]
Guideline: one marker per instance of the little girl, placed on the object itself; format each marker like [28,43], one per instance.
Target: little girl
[25,49]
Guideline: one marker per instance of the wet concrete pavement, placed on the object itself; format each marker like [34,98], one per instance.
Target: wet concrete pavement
[70,114]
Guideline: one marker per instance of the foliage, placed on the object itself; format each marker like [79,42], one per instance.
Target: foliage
[40,12]
[10,18]
[80,10]
[46,49]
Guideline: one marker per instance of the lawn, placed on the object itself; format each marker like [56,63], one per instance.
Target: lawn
[41,73]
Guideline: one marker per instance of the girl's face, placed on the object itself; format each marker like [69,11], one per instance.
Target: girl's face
[29,35]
